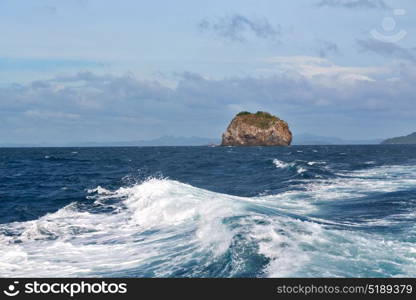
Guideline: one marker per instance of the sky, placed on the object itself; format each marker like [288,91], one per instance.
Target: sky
[107,71]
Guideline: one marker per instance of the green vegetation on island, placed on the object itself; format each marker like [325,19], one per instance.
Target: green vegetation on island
[259,119]
[402,140]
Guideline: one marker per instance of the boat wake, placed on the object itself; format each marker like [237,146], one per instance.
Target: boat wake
[165,228]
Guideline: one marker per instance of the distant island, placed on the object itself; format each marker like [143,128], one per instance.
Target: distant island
[169,140]
[166,140]
[408,139]
[257,129]
[312,139]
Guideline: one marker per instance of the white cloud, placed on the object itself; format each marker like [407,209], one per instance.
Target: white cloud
[324,69]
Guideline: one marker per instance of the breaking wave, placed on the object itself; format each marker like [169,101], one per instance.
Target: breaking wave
[165,228]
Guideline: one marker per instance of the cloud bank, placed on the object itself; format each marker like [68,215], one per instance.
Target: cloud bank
[308,92]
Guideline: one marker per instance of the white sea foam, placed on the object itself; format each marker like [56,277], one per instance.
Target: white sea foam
[159,226]
[284,165]
[354,184]
[71,242]
[379,179]
[312,163]
[292,165]
[100,191]
[280,164]
[301,170]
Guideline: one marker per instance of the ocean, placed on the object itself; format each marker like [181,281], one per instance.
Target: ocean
[299,211]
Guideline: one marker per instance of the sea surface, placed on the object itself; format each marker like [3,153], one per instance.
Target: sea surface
[299,211]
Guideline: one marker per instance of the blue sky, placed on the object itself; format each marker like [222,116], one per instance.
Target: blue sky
[85,70]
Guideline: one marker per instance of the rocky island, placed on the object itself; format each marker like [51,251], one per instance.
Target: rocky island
[257,129]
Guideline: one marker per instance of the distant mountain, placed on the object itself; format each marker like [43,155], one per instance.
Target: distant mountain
[23,145]
[408,139]
[168,140]
[309,139]
[162,141]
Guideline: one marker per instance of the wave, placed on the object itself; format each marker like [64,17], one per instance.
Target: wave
[299,166]
[280,164]
[283,165]
[165,228]
[161,221]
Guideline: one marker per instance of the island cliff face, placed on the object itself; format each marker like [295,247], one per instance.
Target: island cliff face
[259,129]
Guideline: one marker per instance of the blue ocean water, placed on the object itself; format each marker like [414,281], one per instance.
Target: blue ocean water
[300,211]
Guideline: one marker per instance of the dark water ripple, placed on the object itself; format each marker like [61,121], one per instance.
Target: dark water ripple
[266,203]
